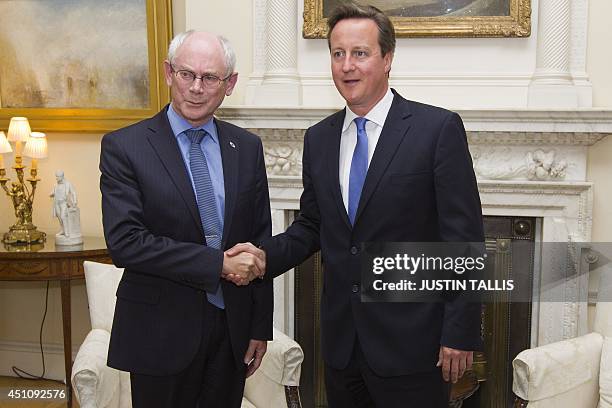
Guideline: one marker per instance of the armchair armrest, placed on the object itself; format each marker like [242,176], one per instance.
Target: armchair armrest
[561,374]
[95,384]
[275,383]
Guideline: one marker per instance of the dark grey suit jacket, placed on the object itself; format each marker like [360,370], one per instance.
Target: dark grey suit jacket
[153,229]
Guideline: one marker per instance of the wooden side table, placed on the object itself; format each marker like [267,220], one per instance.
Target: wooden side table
[54,263]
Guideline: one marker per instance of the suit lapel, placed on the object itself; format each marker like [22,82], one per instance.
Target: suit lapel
[166,146]
[230,152]
[395,128]
[333,161]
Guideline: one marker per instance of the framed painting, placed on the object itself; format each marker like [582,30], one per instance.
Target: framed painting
[435,18]
[83,66]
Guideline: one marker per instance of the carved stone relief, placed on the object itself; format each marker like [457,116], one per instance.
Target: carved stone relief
[503,164]
[496,155]
[282,150]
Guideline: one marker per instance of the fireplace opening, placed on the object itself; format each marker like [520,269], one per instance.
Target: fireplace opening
[505,328]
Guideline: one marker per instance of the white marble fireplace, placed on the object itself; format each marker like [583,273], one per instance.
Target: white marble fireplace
[528,163]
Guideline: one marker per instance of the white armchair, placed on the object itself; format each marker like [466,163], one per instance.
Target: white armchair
[274,385]
[574,373]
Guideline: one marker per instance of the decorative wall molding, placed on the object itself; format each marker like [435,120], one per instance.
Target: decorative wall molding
[553,53]
[578,37]
[275,40]
[535,138]
[561,49]
[565,204]
[280,135]
[259,36]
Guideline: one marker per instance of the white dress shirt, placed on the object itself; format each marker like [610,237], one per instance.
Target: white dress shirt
[376,120]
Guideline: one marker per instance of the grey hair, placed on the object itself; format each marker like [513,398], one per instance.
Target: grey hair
[228,51]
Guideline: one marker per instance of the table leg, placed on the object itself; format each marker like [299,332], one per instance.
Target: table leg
[66,315]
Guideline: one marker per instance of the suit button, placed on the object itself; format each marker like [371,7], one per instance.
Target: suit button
[355,288]
[354,250]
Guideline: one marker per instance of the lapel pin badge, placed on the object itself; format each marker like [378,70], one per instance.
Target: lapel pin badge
[233,145]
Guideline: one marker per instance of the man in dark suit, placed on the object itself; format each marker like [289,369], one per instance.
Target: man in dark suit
[384,169]
[177,189]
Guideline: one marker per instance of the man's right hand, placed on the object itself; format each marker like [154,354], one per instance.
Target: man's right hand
[243,263]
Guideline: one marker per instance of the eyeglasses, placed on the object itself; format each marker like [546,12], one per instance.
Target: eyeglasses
[189,77]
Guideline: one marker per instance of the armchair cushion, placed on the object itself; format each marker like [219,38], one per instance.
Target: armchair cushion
[101,283]
[550,372]
[95,384]
[605,375]
[280,367]
[246,404]
[282,363]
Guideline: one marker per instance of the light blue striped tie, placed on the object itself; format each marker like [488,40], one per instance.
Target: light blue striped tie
[207,205]
[359,169]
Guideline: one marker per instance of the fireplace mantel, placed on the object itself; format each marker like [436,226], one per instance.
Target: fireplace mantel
[572,121]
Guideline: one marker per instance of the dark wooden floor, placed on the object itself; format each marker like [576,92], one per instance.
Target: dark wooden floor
[18,384]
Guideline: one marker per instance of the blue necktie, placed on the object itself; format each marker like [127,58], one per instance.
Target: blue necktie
[207,205]
[359,169]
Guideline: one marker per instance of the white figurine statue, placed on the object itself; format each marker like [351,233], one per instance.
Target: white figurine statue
[66,210]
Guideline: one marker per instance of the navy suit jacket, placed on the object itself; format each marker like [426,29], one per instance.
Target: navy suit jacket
[153,229]
[420,187]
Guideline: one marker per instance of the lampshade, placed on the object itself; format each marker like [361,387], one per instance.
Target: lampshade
[36,146]
[5,146]
[19,130]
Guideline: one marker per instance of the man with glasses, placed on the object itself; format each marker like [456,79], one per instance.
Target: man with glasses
[177,189]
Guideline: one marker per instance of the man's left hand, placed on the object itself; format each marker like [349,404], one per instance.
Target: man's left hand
[454,363]
[254,354]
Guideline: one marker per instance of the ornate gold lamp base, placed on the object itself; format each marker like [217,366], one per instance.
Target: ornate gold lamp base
[24,234]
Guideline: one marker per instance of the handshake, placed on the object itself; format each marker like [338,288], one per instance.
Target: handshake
[242,263]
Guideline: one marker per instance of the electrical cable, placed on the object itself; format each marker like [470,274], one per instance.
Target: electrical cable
[24,374]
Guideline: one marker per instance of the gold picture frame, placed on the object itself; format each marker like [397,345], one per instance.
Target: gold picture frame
[101,120]
[517,23]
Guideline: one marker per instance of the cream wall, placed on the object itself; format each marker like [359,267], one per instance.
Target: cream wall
[77,155]
[21,304]
[232,19]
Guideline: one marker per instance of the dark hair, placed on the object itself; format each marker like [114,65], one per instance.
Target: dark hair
[386,32]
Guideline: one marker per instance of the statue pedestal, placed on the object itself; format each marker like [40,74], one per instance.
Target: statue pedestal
[62,240]
[72,234]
